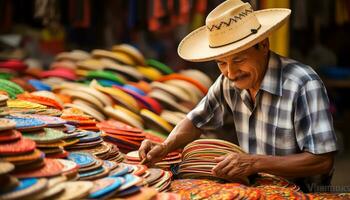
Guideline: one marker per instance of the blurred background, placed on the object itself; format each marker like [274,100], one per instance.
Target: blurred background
[317,34]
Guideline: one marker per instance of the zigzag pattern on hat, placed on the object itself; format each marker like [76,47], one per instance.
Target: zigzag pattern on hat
[232,19]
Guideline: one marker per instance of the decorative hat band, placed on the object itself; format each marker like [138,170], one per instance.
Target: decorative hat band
[232,25]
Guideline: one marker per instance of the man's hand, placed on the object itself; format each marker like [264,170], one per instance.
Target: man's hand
[152,152]
[234,166]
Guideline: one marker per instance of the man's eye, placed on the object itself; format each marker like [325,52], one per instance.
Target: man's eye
[238,60]
[220,63]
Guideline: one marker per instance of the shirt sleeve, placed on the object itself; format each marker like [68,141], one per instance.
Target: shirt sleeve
[313,121]
[209,113]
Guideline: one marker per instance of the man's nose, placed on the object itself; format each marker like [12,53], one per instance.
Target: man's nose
[231,71]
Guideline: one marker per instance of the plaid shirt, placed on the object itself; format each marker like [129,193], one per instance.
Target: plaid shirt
[290,114]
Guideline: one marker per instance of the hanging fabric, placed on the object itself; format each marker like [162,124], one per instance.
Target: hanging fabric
[80,13]
[299,16]
[341,12]
[53,34]
[132,14]
[5,15]
[324,11]
[198,18]
[48,11]
[167,14]
[41,8]
[142,14]
[156,11]
[184,14]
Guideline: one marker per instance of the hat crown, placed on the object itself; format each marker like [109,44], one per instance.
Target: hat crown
[230,22]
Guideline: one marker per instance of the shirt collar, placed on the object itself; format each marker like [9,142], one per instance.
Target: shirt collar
[272,81]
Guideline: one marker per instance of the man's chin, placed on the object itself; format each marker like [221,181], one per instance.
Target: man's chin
[242,84]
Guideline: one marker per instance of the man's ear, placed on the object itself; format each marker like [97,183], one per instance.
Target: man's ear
[265,45]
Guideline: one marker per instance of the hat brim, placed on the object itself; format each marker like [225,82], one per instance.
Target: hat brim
[195,46]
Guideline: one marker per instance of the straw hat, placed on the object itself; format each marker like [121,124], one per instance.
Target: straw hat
[75,94]
[90,64]
[130,113]
[167,101]
[120,114]
[120,57]
[192,91]
[103,98]
[133,52]
[48,94]
[172,117]
[231,27]
[156,122]
[175,91]
[75,55]
[125,70]
[120,96]
[87,109]
[198,75]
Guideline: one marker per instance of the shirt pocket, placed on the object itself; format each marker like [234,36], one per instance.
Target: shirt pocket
[285,141]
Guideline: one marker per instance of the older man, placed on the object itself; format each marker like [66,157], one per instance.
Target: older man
[279,106]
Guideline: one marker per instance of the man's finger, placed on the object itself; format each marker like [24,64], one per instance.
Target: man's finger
[144,149]
[232,162]
[232,173]
[228,167]
[154,152]
[220,165]
[219,159]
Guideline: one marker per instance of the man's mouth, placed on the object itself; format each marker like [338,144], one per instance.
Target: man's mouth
[240,77]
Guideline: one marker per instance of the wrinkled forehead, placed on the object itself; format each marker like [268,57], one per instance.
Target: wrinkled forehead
[235,55]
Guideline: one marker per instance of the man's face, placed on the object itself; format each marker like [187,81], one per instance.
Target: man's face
[246,69]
